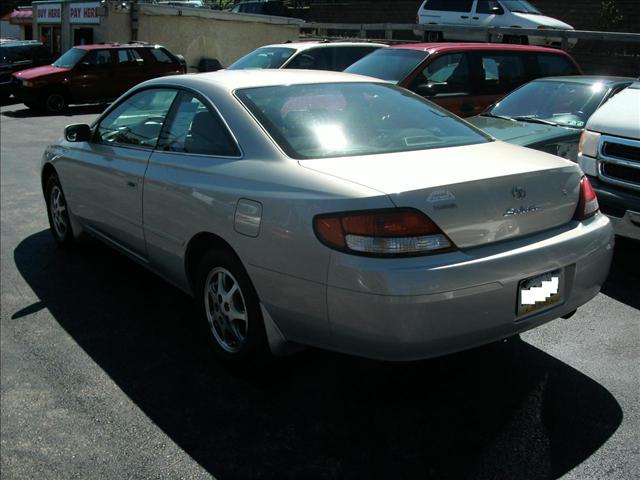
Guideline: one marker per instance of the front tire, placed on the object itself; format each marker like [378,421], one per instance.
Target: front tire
[54,102]
[58,213]
[229,305]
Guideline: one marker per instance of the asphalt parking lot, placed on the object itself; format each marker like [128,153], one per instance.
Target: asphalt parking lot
[104,374]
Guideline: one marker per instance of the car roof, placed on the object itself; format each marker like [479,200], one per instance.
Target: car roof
[441,47]
[300,46]
[230,80]
[97,46]
[588,79]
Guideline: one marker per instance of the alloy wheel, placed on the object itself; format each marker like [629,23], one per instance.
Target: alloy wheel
[226,310]
[58,208]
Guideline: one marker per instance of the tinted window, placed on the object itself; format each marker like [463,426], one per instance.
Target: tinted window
[268,57]
[96,58]
[161,55]
[449,5]
[520,6]
[501,73]
[194,128]
[129,57]
[447,75]
[388,64]
[485,6]
[555,65]
[314,59]
[346,56]
[137,120]
[342,119]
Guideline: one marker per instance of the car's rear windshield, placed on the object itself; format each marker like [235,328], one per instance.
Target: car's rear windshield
[70,58]
[388,64]
[345,119]
[267,57]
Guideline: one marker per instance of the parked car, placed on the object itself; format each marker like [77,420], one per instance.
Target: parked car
[549,114]
[488,13]
[464,78]
[18,55]
[271,7]
[321,55]
[610,156]
[332,210]
[93,74]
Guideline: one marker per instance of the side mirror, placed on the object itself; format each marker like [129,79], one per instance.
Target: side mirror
[77,132]
[497,10]
[426,90]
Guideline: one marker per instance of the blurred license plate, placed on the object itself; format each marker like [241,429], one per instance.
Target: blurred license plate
[539,292]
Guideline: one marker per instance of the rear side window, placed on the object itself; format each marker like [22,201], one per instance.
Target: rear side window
[449,5]
[161,56]
[137,121]
[446,75]
[347,56]
[194,128]
[129,57]
[555,65]
[501,73]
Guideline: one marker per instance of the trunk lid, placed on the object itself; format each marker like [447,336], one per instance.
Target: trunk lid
[476,194]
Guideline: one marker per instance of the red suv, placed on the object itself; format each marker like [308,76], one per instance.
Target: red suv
[92,74]
[464,78]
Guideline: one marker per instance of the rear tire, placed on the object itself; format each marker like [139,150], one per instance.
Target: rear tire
[433,37]
[230,309]
[58,213]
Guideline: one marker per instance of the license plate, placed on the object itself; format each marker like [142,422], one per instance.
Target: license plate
[539,292]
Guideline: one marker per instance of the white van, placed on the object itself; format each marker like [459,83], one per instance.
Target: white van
[487,13]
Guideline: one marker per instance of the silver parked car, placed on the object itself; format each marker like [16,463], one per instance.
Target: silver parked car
[331,210]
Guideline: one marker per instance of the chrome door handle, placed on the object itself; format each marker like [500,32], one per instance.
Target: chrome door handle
[132,184]
[464,16]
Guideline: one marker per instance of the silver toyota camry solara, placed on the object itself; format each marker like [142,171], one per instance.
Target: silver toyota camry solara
[330,210]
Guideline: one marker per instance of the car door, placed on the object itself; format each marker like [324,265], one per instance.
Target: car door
[187,182]
[496,74]
[446,80]
[93,78]
[486,13]
[104,177]
[130,69]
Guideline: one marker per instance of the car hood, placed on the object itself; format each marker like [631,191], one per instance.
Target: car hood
[619,116]
[522,133]
[543,20]
[38,72]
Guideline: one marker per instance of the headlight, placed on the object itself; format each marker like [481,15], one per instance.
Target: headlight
[541,27]
[27,83]
[589,142]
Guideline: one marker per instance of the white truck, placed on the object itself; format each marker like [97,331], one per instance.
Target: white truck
[609,154]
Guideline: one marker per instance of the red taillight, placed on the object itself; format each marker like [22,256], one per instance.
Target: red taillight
[381,233]
[588,202]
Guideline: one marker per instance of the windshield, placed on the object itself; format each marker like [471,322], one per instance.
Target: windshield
[520,6]
[70,58]
[389,64]
[343,119]
[268,57]
[568,104]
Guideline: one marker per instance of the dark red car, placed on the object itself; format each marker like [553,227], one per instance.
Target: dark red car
[93,74]
[464,78]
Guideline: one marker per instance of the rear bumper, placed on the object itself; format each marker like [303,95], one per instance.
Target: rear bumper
[429,306]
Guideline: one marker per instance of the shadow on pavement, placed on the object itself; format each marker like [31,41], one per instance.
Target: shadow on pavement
[624,277]
[503,411]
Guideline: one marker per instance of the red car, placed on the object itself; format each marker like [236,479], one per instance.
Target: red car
[464,78]
[92,74]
